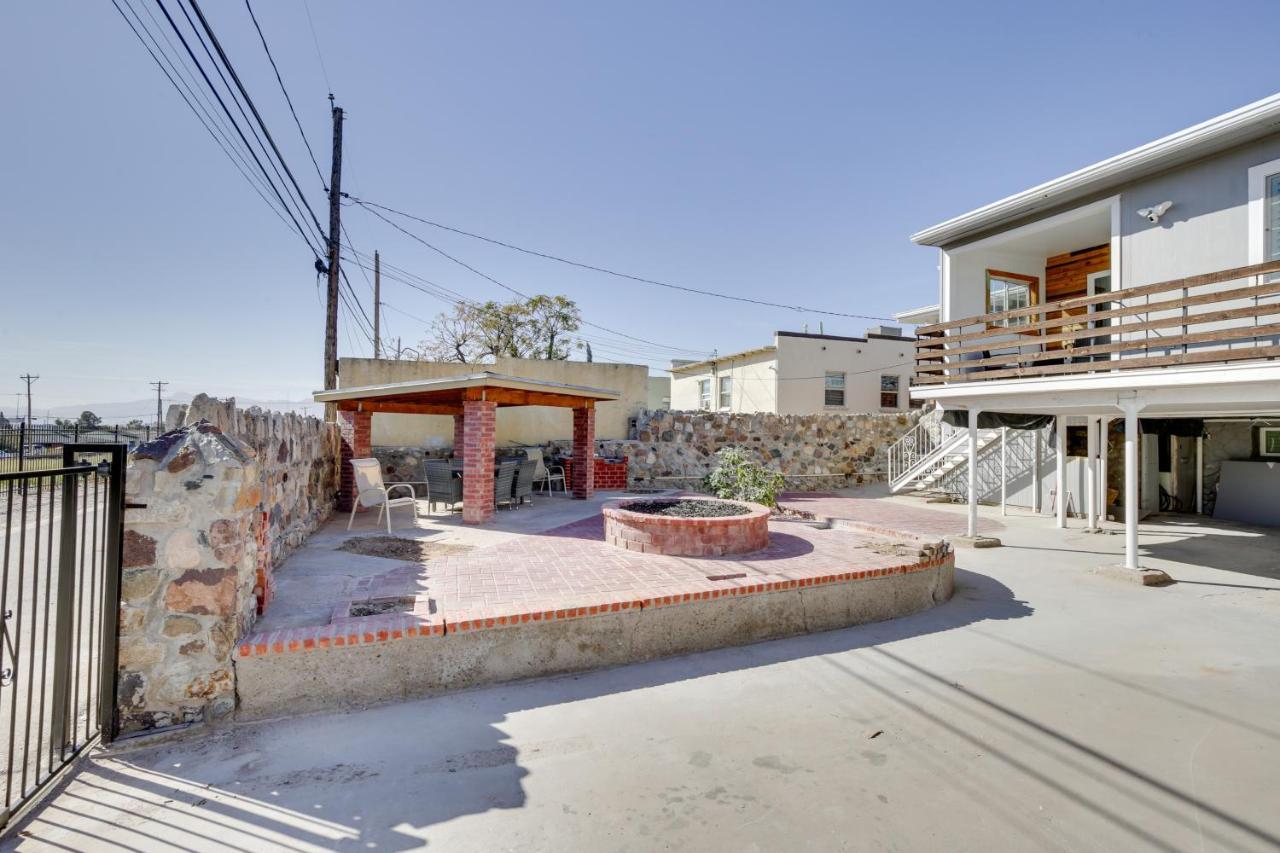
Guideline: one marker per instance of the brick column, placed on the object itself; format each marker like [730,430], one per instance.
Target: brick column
[356,429]
[479,417]
[583,472]
[459,434]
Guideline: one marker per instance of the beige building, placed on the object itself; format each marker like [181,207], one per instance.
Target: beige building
[802,374]
[523,425]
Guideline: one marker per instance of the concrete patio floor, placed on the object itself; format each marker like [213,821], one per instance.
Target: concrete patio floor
[1045,707]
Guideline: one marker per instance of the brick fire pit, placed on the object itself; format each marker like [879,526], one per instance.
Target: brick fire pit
[686,537]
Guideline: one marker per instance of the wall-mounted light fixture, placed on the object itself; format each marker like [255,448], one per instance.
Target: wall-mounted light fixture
[1153,213]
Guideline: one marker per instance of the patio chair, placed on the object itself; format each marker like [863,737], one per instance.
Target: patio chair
[504,483]
[442,484]
[544,475]
[524,483]
[370,491]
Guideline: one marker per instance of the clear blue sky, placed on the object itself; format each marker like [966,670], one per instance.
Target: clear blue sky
[781,151]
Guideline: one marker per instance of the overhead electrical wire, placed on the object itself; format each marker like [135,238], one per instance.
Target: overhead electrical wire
[607,271]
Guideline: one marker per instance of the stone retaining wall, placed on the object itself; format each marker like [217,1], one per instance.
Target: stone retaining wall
[216,504]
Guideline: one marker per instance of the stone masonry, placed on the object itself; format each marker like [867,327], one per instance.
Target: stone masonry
[814,452]
[213,511]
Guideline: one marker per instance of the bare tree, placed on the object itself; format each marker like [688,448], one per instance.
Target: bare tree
[540,327]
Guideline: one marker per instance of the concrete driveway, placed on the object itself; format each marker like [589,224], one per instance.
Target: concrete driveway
[1043,708]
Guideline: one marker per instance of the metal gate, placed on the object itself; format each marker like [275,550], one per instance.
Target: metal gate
[59,597]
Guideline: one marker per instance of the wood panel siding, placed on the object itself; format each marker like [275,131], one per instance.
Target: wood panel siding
[1067,276]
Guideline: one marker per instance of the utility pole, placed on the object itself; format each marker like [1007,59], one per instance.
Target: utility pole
[28,378]
[159,386]
[335,228]
[377,303]
[397,348]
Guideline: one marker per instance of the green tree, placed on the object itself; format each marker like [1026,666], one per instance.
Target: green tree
[539,327]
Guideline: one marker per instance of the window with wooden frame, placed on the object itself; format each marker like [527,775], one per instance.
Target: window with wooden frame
[1009,291]
[889,391]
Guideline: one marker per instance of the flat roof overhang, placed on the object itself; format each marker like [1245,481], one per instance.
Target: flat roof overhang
[1233,389]
[445,396]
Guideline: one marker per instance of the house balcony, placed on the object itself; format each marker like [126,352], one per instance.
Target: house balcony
[1224,317]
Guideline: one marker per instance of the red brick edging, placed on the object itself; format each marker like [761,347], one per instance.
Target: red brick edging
[381,629]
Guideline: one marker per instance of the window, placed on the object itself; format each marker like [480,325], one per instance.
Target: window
[833,392]
[726,392]
[889,391]
[704,393]
[1271,210]
[1007,291]
[1264,214]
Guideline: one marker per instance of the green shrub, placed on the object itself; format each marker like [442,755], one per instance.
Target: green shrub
[738,477]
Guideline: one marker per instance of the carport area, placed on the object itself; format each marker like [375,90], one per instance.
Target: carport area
[1045,707]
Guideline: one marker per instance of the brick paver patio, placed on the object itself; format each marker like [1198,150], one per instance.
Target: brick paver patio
[571,569]
[882,514]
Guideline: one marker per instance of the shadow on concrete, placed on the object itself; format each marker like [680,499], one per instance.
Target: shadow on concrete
[296,786]
[1203,541]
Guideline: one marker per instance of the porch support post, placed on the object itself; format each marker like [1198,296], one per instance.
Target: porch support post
[459,435]
[1091,475]
[1131,485]
[1060,481]
[1199,474]
[584,453]
[354,430]
[973,472]
[1037,489]
[479,420]
[1104,449]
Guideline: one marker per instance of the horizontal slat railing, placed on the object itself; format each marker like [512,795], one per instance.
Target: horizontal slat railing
[982,347]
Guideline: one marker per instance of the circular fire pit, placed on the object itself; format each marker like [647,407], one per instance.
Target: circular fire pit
[686,527]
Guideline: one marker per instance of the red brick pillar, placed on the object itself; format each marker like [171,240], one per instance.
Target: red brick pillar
[479,418]
[583,471]
[459,435]
[355,429]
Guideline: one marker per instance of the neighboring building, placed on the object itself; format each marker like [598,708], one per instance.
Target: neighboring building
[524,425]
[659,393]
[1146,286]
[802,374]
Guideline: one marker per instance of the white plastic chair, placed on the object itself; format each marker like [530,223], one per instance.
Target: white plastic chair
[370,491]
[544,475]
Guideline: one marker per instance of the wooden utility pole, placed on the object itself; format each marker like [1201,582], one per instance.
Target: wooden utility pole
[335,228]
[159,386]
[377,304]
[28,378]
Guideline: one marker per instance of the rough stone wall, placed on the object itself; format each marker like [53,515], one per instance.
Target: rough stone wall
[813,452]
[213,512]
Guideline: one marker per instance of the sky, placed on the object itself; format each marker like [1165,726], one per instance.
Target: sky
[777,151]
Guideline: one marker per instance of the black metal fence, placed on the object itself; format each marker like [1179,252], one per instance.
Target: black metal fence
[27,448]
[60,553]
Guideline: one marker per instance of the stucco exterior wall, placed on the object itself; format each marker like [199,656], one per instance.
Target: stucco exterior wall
[753,386]
[517,425]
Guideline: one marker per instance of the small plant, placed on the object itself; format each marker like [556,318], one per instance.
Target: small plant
[738,477]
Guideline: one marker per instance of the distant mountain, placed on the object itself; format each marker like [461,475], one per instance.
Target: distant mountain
[144,410]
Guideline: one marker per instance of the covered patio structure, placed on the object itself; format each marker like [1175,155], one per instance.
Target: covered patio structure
[473,402]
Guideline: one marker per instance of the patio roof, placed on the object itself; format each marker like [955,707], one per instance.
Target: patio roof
[446,395]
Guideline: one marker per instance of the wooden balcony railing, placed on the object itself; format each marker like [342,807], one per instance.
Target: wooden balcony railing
[1220,317]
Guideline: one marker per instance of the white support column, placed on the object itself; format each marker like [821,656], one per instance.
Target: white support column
[973,472]
[1199,474]
[1037,486]
[1004,470]
[1091,474]
[1131,486]
[1104,449]
[1060,481]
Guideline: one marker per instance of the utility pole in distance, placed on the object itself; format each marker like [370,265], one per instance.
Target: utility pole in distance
[28,378]
[159,386]
[377,304]
[335,226]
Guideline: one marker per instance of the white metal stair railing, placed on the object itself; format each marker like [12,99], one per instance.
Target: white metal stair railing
[950,474]
[925,447]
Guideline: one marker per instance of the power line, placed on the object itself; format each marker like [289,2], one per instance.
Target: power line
[316,41]
[607,271]
[507,287]
[287,99]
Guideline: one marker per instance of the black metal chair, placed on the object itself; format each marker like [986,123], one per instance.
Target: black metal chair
[504,483]
[442,485]
[523,489]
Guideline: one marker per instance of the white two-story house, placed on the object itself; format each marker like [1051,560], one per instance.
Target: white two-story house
[802,373]
[1134,301]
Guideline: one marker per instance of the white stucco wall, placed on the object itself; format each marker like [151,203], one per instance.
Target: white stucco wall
[516,425]
[752,384]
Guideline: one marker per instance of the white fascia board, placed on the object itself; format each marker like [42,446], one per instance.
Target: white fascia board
[1233,128]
